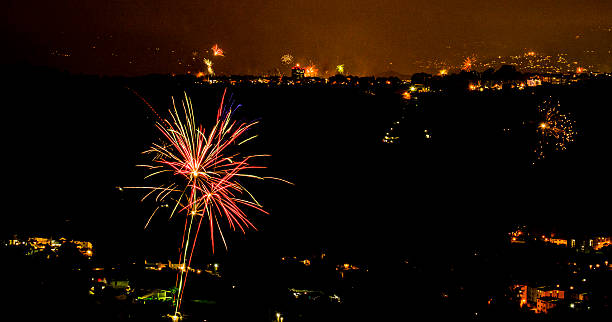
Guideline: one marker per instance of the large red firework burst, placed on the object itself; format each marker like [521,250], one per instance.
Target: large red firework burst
[204,177]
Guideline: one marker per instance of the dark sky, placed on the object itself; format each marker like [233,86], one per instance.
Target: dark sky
[364,35]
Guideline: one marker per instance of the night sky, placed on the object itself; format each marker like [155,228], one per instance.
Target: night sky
[141,37]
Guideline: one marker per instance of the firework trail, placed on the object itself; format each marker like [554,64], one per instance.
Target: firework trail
[145,101]
[287,59]
[204,169]
[555,130]
[209,68]
[217,51]
[340,69]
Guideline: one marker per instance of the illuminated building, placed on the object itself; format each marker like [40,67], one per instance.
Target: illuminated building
[297,72]
[295,259]
[534,81]
[541,299]
[345,268]
[41,243]
[557,241]
[519,235]
[157,295]
[600,242]
[544,304]
[522,294]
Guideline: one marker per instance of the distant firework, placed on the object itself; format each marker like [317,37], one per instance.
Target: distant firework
[209,64]
[443,72]
[468,64]
[217,51]
[203,168]
[580,70]
[555,130]
[287,59]
[340,69]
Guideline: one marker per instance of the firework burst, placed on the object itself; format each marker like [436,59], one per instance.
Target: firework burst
[311,71]
[340,69]
[555,130]
[468,64]
[287,59]
[217,51]
[203,168]
[209,68]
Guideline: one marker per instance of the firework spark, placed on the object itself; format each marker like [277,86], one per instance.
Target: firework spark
[203,175]
[555,130]
[217,51]
[287,59]
[468,64]
[340,69]
[209,64]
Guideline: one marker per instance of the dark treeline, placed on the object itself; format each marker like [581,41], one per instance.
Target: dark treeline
[74,139]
